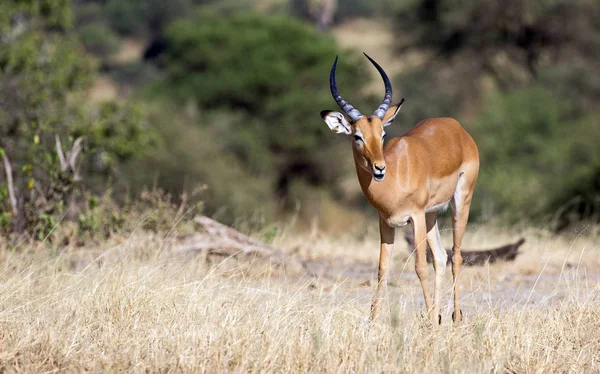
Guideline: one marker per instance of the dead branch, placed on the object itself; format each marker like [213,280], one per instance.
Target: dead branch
[77,148]
[68,162]
[61,155]
[475,257]
[222,240]
[10,185]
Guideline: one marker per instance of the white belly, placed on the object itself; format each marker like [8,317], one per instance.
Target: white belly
[435,208]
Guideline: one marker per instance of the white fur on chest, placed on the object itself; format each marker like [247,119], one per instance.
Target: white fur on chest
[398,221]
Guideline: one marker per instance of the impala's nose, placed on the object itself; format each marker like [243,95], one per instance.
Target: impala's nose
[378,172]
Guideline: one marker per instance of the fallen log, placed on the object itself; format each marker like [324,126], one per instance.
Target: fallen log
[474,257]
[219,239]
[223,241]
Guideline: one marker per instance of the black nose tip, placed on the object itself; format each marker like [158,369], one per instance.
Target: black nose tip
[379,168]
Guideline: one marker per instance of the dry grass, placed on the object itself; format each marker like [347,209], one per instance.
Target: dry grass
[131,305]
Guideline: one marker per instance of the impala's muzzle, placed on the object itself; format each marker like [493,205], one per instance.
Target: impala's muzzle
[378,172]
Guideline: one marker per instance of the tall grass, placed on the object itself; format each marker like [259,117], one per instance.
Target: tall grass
[132,305]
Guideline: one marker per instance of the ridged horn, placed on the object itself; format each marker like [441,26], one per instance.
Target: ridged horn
[354,114]
[387,99]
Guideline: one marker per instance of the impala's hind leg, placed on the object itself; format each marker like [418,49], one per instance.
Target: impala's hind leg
[460,215]
[440,259]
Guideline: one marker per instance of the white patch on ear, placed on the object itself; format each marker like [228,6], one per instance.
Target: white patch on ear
[388,121]
[337,123]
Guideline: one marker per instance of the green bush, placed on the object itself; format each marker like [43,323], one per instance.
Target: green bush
[195,159]
[270,75]
[99,39]
[57,145]
[144,18]
[536,157]
[88,12]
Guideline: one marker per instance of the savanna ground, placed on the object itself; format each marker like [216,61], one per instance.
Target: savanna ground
[132,304]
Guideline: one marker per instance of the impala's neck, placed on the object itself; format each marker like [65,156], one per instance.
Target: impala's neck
[373,191]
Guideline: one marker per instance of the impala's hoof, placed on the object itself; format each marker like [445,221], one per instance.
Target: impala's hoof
[459,318]
[439,319]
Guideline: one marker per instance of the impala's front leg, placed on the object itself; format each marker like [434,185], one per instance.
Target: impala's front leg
[420,230]
[387,243]
[440,259]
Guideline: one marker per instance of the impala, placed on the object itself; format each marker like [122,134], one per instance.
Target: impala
[432,166]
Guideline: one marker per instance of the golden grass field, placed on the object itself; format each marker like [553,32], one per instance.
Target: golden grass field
[131,304]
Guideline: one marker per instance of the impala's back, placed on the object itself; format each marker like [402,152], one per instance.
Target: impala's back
[438,151]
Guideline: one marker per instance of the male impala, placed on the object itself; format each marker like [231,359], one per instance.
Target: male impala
[433,165]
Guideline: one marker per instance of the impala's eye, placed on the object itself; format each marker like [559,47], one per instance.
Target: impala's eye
[357,138]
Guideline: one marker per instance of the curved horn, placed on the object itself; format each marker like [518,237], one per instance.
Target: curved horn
[387,99]
[354,114]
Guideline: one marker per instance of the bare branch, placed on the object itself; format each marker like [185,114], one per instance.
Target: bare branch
[61,155]
[77,148]
[10,184]
[223,240]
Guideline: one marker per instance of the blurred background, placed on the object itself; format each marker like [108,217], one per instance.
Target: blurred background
[213,106]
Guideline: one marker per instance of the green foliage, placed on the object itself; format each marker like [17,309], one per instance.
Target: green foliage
[41,66]
[196,159]
[51,138]
[100,217]
[271,76]
[425,99]
[535,155]
[265,67]
[99,39]
[535,131]
[89,12]
[144,17]
[232,119]
[510,42]
[56,14]
[116,132]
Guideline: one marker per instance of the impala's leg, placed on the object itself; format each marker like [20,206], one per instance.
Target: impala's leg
[460,215]
[420,229]
[387,243]
[440,259]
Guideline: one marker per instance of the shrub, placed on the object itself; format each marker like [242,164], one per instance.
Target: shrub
[271,76]
[144,17]
[536,157]
[51,141]
[99,39]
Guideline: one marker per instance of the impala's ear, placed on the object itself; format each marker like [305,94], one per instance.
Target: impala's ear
[391,113]
[336,122]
